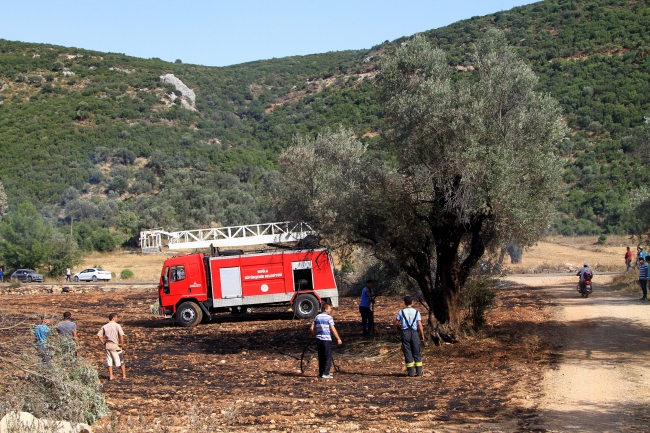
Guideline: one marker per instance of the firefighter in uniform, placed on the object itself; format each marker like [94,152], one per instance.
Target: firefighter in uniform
[409,322]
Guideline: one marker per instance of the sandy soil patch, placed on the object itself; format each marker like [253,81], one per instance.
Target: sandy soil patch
[145,267]
[599,380]
[554,256]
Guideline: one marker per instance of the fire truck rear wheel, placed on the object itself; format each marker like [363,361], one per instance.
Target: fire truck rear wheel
[306,306]
[189,314]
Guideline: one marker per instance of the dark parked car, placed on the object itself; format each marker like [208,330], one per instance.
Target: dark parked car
[26,276]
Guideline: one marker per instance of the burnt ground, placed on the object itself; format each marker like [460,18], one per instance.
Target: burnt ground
[230,374]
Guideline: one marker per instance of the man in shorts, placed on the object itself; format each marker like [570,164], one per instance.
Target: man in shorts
[112,337]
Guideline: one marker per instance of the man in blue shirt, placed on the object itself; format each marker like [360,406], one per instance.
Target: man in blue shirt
[409,322]
[40,333]
[643,278]
[367,319]
[323,328]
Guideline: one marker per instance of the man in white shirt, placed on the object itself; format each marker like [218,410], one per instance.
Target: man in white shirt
[112,338]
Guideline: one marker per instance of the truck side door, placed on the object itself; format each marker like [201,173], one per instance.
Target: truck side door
[178,284]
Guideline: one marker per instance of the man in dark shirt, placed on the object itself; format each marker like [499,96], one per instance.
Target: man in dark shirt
[67,330]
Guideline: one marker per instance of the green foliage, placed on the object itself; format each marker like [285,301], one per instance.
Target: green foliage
[602,239]
[25,239]
[477,296]
[445,175]
[347,266]
[66,388]
[64,253]
[213,165]
[126,274]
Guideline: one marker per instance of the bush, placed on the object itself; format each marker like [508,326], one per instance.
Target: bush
[65,388]
[515,252]
[602,239]
[627,282]
[126,274]
[476,297]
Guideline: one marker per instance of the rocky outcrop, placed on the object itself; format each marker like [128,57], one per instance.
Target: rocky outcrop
[188,94]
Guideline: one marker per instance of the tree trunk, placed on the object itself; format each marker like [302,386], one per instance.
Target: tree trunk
[446,291]
[443,297]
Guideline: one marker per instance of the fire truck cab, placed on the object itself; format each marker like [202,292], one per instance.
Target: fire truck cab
[195,286]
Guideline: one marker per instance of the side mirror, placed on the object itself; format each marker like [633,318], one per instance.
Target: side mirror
[165,281]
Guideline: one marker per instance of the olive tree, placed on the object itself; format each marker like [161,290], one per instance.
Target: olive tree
[466,166]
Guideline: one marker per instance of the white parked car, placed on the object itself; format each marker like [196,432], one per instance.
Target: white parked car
[92,274]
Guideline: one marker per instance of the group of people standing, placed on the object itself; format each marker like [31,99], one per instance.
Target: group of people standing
[408,321]
[644,270]
[111,336]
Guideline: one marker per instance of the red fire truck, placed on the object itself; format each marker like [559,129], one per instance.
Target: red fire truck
[193,287]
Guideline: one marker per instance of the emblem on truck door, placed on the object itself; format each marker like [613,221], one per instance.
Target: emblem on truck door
[195,285]
[264,288]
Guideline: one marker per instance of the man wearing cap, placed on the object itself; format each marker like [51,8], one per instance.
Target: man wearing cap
[410,323]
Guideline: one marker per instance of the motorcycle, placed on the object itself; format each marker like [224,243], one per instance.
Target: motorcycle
[584,288]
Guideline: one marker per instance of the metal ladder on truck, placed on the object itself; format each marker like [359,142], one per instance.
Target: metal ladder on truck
[152,240]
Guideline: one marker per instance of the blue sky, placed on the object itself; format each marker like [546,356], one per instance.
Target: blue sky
[219,33]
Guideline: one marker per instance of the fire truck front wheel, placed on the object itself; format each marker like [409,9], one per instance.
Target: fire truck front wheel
[306,306]
[189,314]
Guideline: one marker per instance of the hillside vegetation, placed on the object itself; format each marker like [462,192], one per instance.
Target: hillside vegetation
[98,139]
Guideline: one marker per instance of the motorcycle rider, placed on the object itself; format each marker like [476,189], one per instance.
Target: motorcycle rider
[582,273]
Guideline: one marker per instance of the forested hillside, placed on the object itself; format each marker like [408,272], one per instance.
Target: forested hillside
[97,138]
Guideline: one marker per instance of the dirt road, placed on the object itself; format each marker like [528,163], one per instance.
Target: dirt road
[601,381]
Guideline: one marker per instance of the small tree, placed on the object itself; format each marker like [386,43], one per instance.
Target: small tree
[25,239]
[64,253]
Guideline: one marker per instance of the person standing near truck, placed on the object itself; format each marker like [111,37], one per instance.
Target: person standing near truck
[364,308]
[323,328]
[409,322]
[111,336]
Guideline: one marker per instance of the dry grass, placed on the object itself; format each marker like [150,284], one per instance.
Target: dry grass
[145,267]
[558,254]
[626,283]
[553,254]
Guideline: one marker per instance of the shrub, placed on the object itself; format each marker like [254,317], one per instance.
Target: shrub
[627,282]
[126,274]
[67,387]
[515,251]
[476,297]
[347,267]
[602,239]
